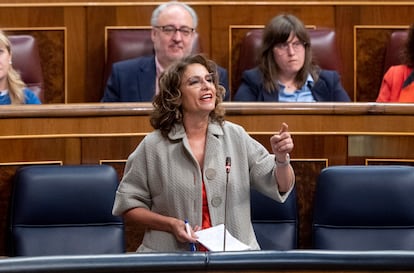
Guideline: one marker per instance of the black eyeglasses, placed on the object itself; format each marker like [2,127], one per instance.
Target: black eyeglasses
[170,30]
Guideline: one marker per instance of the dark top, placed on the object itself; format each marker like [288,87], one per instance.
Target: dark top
[327,88]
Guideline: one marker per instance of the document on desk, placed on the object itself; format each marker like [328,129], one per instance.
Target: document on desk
[212,238]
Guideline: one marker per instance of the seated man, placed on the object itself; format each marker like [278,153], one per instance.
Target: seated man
[173,26]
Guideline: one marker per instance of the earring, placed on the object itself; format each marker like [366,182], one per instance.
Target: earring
[10,62]
[178,115]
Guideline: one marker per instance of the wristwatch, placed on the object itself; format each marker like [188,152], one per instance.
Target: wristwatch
[284,163]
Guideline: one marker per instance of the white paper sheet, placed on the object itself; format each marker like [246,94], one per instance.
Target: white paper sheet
[213,238]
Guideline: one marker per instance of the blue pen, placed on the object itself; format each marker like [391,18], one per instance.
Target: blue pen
[187,227]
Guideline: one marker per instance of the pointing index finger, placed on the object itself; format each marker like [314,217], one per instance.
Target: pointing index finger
[284,128]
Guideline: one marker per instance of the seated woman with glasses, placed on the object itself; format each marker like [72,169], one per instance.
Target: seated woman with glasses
[286,72]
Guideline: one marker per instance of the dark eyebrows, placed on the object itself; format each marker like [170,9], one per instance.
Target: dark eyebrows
[196,77]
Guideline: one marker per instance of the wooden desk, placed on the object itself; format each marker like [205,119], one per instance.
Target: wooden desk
[324,134]
[296,261]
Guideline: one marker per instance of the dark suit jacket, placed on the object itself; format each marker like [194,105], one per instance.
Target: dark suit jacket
[133,80]
[327,88]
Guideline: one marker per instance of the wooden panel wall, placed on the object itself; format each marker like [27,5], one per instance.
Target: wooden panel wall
[72,36]
[324,135]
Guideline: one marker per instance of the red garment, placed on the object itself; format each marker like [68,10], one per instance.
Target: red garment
[391,87]
[206,221]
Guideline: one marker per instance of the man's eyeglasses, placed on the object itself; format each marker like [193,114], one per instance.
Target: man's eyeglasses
[171,30]
[284,47]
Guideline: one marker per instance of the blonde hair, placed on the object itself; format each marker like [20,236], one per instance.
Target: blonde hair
[15,84]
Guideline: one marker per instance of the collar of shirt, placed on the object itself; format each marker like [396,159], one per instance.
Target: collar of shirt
[4,92]
[303,94]
[159,69]
[178,130]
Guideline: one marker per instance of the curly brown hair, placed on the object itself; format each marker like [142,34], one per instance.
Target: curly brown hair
[167,103]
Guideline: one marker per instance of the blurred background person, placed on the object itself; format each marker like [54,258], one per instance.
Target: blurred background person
[179,172]
[173,31]
[12,89]
[398,82]
[286,72]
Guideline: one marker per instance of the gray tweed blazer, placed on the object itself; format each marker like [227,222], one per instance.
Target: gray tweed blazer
[163,176]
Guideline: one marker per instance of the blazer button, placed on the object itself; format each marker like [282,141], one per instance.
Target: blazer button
[210,173]
[216,201]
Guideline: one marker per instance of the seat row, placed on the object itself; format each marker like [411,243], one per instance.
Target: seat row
[66,210]
[355,208]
